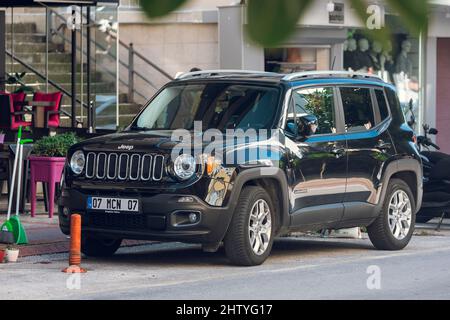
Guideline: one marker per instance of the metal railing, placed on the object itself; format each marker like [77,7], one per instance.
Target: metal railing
[51,82]
[129,64]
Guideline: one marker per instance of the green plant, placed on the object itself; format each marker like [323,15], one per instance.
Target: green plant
[17,79]
[55,146]
[270,22]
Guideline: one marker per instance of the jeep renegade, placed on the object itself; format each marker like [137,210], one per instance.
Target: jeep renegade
[299,152]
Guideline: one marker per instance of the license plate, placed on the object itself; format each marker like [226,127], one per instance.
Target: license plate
[113,204]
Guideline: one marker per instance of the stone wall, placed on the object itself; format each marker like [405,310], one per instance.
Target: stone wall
[173,47]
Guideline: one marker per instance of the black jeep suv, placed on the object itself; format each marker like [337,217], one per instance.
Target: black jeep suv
[241,157]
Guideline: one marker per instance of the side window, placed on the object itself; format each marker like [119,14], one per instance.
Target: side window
[314,103]
[394,104]
[358,109]
[382,105]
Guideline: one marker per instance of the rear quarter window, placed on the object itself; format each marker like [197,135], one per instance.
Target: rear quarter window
[382,104]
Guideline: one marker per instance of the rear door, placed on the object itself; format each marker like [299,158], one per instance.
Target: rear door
[369,146]
[318,163]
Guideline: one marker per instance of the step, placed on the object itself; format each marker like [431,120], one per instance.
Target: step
[95,87]
[101,120]
[125,109]
[33,47]
[61,77]
[26,37]
[26,27]
[39,57]
[53,67]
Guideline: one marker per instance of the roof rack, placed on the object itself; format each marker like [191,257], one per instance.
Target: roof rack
[312,74]
[211,73]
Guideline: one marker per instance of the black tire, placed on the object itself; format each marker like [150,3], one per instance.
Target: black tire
[99,247]
[423,219]
[237,241]
[379,231]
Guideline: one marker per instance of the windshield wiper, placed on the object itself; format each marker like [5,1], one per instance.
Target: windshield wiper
[137,128]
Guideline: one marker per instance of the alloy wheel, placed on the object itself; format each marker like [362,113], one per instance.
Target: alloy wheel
[260,227]
[400,214]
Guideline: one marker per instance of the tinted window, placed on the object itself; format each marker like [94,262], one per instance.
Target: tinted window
[382,105]
[318,102]
[216,105]
[358,109]
[394,103]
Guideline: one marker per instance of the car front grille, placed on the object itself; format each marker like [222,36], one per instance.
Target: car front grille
[124,166]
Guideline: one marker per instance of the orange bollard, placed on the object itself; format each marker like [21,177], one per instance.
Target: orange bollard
[75,246]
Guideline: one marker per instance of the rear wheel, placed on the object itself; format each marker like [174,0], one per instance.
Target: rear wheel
[249,239]
[99,247]
[393,228]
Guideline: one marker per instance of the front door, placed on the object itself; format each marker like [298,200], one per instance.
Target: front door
[318,162]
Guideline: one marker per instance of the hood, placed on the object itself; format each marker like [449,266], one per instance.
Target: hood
[161,142]
[130,141]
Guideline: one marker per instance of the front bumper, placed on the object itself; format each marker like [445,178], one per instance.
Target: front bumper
[156,221]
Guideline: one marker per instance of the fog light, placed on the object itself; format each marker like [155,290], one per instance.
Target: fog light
[186,199]
[66,211]
[193,217]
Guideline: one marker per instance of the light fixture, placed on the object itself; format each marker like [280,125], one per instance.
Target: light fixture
[330,6]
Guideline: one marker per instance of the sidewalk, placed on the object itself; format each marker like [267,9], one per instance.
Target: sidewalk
[44,235]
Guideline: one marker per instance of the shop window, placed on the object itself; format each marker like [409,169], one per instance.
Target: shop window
[396,61]
[289,60]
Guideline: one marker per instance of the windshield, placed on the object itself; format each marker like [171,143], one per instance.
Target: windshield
[216,105]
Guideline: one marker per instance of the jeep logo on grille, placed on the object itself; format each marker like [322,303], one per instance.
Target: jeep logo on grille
[125,147]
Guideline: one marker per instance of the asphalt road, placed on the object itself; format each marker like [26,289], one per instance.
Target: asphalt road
[299,268]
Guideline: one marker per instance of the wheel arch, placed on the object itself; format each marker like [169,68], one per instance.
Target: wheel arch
[407,170]
[274,182]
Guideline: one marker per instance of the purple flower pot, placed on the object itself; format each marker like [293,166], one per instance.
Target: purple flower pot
[45,169]
[2,138]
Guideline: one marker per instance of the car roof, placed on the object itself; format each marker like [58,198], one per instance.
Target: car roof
[292,79]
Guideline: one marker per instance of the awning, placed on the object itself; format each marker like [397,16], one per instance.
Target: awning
[32,3]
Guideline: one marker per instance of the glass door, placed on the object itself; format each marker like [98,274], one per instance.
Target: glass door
[104,65]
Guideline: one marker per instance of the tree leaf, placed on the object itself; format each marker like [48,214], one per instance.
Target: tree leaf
[158,8]
[271,22]
[414,13]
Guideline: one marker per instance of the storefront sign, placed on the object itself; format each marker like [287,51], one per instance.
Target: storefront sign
[337,16]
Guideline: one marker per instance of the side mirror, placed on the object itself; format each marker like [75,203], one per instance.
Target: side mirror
[433,131]
[307,125]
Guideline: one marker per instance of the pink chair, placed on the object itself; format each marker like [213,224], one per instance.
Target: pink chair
[12,112]
[53,113]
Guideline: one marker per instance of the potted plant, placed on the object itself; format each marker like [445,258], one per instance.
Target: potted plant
[12,254]
[2,253]
[2,137]
[49,155]
[17,80]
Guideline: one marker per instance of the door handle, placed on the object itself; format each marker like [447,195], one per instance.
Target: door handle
[383,146]
[335,149]
[338,152]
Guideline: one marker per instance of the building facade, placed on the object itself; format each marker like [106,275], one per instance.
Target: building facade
[211,34]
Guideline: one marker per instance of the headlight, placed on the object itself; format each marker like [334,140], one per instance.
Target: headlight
[77,162]
[184,166]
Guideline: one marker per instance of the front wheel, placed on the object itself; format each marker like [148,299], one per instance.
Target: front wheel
[99,247]
[393,228]
[249,239]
